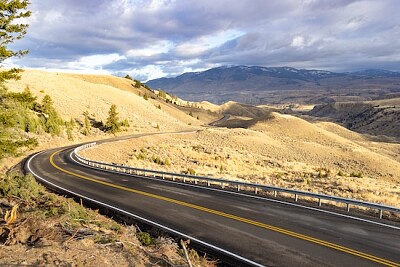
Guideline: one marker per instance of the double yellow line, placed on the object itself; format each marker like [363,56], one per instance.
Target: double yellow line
[233,217]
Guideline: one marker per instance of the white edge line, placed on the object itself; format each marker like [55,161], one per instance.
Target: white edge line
[244,195]
[144,219]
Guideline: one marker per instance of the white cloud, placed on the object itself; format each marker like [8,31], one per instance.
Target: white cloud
[149,71]
[202,44]
[163,37]
[355,23]
[162,47]
[94,61]
[157,4]
[301,41]
[298,41]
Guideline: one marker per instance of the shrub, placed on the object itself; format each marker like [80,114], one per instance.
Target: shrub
[70,136]
[146,96]
[340,173]
[76,212]
[105,239]
[10,146]
[221,169]
[24,187]
[128,77]
[159,161]
[125,123]
[86,125]
[358,174]
[145,238]
[70,127]
[162,94]
[138,84]
[190,171]
[141,156]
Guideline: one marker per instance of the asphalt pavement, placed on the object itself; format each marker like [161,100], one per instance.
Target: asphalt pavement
[252,231]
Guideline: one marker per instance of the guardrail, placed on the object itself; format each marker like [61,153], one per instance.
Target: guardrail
[237,185]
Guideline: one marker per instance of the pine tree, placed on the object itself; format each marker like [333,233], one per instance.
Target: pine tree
[86,126]
[47,104]
[52,120]
[128,77]
[10,30]
[112,123]
[10,11]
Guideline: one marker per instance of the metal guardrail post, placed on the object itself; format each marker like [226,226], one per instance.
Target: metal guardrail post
[348,207]
[296,197]
[380,214]
[255,190]
[275,193]
[319,202]
[238,187]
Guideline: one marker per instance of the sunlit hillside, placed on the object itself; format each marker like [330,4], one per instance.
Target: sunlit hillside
[74,94]
[281,150]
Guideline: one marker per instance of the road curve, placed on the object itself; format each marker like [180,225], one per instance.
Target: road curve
[255,232]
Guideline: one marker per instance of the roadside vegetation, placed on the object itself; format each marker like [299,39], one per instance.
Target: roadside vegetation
[33,218]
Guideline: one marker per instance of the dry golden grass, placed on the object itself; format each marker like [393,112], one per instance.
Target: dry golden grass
[283,151]
[209,106]
[74,94]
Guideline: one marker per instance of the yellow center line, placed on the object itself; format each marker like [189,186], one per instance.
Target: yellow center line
[233,217]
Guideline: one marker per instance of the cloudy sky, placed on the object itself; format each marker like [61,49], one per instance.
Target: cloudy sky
[154,38]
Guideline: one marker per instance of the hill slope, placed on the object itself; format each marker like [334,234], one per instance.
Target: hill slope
[73,94]
[371,117]
[280,150]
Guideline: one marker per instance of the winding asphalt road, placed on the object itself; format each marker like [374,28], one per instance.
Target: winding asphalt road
[253,231]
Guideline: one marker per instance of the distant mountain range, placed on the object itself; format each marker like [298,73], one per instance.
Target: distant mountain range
[262,85]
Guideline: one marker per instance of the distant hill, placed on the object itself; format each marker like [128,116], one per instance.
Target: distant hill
[261,85]
[371,117]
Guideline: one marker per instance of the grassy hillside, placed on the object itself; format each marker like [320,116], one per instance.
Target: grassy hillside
[39,228]
[280,150]
[74,94]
